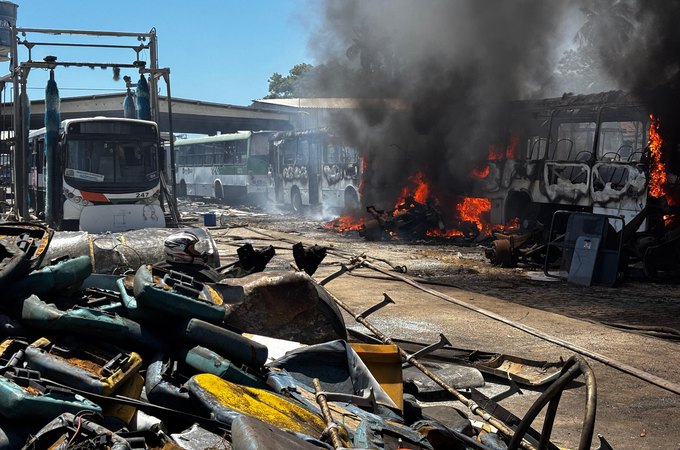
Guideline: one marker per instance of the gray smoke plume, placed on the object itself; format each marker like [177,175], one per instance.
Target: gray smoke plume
[452,65]
[647,60]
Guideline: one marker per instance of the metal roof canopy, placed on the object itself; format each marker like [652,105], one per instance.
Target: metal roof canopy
[189,116]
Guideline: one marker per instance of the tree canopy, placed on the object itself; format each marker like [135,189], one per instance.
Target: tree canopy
[295,84]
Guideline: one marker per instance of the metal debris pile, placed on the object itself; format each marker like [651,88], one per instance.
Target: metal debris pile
[409,220]
[611,249]
[172,355]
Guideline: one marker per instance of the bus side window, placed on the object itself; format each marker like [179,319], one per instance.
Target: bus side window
[350,155]
[289,151]
[574,139]
[330,154]
[302,156]
[536,146]
[621,141]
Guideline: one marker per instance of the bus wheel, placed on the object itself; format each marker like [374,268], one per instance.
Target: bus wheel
[182,189]
[351,200]
[219,192]
[296,200]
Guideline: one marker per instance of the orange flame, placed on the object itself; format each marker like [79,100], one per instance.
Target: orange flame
[657,171]
[471,210]
[417,186]
[446,234]
[364,167]
[480,173]
[345,222]
[495,153]
[511,149]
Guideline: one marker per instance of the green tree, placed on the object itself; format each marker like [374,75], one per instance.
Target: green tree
[295,84]
[600,42]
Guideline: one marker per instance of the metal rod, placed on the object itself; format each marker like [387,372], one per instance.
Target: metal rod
[52,65]
[634,371]
[343,269]
[173,173]
[65,44]
[153,81]
[473,406]
[18,135]
[21,194]
[331,426]
[82,32]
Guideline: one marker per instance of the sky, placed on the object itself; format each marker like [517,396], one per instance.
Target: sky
[220,51]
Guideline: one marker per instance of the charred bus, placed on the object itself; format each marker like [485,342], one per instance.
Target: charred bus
[314,168]
[586,153]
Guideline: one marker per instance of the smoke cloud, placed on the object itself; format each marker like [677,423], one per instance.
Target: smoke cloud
[648,62]
[447,68]
[452,65]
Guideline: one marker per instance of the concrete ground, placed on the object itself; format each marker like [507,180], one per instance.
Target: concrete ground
[631,413]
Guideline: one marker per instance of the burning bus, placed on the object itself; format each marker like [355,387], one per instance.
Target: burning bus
[599,153]
[595,153]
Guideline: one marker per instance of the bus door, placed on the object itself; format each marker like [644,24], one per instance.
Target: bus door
[37,175]
[314,170]
[276,162]
[185,171]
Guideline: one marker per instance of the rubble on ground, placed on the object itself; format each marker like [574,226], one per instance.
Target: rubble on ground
[107,350]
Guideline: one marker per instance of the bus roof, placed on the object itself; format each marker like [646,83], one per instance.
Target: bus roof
[238,136]
[64,123]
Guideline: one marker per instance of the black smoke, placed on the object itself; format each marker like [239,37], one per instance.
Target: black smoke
[648,65]
[451,66]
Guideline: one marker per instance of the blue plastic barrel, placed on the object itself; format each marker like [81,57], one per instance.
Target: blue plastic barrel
[210,219]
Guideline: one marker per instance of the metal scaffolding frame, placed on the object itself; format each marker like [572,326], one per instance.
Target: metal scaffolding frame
[19,71]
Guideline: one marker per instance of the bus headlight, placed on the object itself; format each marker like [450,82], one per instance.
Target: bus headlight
[77,199]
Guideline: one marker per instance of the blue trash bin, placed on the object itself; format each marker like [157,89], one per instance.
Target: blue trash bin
[210,219]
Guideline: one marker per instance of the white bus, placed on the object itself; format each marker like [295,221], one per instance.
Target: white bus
[224,167]
[109,175]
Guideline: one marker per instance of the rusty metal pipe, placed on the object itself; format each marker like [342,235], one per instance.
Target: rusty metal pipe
[331,426]
[634,371]
[574,367]
[474,407]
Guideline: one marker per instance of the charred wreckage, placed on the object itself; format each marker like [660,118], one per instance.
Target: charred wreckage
[585,176]
[174,351]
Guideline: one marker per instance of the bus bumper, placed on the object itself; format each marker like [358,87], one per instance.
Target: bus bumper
[102,218]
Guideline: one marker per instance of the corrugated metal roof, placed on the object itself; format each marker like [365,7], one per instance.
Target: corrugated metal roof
[333,103]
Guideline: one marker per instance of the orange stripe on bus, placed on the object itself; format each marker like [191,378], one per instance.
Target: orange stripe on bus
[94,197]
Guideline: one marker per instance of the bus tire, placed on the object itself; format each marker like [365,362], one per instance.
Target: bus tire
[182,189]
[296,200]
[519,206]
[352,203]
[219,191]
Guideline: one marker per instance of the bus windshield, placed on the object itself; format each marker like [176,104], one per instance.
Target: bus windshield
[96,163]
